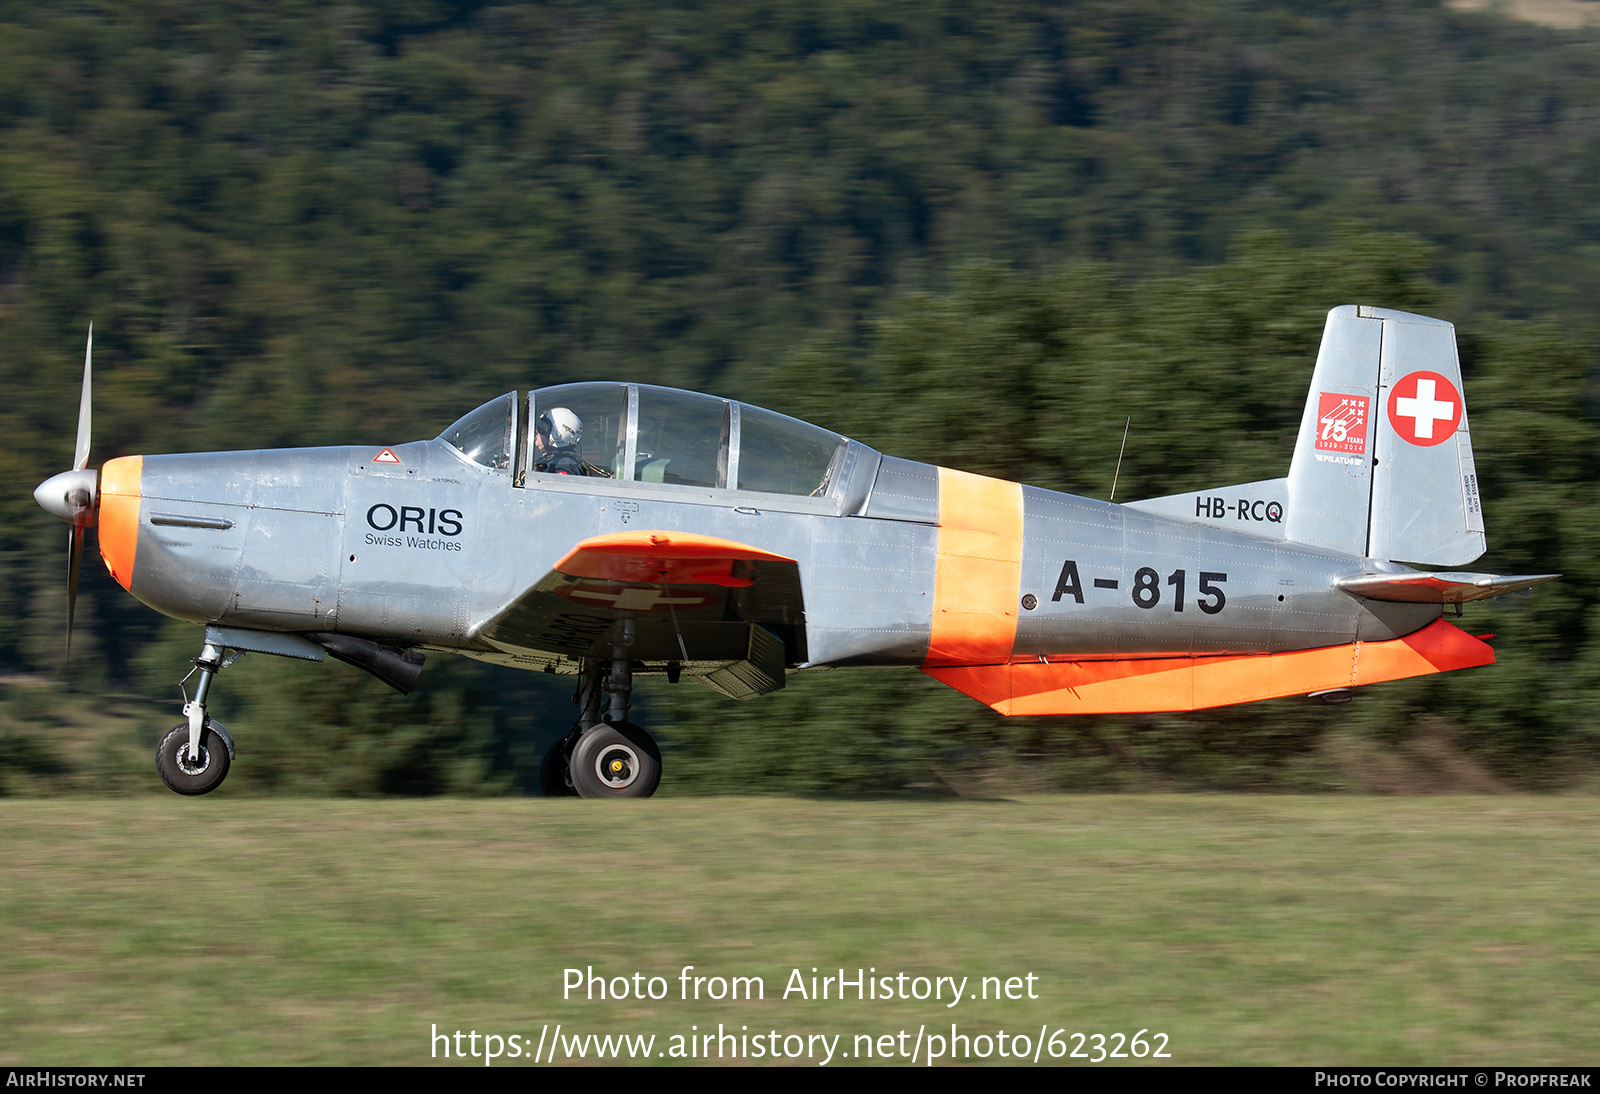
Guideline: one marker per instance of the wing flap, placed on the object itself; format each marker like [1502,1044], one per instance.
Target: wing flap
[1163,684]
[760,671]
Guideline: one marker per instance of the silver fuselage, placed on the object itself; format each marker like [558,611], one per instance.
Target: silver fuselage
[421,552]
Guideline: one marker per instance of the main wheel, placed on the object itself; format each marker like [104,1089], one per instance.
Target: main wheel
[192,775]
[615,761]
[553,779]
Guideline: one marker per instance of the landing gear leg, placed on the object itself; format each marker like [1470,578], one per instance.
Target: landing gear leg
[193,757]
[619,686]
[615,758]
[555,780]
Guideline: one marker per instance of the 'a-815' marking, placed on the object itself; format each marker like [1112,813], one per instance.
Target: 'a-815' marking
[1147,587]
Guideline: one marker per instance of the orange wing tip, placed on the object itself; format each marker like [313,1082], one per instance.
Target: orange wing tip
[120,485]
[657,557]
[1161,684]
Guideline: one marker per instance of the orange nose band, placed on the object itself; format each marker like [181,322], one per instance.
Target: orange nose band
[119,515]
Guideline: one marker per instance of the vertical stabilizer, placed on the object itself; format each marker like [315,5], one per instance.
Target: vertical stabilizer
[1383,465]
[1330,478]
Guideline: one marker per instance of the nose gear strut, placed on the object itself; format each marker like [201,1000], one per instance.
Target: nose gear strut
[194,756]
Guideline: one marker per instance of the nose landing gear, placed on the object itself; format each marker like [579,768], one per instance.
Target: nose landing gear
[193,757]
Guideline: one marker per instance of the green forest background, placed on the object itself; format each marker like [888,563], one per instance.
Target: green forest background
[982,235]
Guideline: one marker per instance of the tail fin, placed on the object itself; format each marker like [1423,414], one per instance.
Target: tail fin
[1383,465]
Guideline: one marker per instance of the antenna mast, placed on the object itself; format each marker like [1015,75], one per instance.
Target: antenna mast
[1120,451]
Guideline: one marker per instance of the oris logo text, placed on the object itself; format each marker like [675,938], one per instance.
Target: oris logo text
[422,523]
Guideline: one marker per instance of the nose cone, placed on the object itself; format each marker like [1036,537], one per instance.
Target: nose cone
[69,496]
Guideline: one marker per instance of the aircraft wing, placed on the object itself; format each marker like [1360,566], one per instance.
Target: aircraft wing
[724,612]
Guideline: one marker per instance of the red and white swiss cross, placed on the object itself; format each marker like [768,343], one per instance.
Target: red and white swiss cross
[1425,408]
[616,596]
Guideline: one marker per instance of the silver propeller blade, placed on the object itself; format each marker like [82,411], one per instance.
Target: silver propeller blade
[74,565]
[80,457]
[74,495]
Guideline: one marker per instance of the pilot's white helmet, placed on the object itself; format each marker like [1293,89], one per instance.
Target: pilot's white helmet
[562,426]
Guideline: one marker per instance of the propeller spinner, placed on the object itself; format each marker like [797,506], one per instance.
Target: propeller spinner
[74,495]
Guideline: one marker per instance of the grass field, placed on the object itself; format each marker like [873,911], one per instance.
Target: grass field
[1273,930]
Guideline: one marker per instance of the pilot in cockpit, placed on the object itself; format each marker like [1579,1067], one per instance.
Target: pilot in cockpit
[556,435]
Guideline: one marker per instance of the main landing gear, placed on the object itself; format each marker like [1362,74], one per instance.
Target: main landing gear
[602,759]
[193,757]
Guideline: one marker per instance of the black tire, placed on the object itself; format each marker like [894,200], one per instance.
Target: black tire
[553,778]
[615,761]
[172,761]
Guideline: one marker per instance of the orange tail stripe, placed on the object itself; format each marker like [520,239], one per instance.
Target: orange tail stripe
[120,481]
[978,569]
[1161,684]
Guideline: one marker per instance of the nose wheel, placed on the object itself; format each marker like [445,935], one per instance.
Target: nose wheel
[190,772]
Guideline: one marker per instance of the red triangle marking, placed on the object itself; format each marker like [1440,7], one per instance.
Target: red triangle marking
[386,457]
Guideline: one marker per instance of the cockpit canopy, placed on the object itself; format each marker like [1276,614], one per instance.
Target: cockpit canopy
[651,434]
[484,436]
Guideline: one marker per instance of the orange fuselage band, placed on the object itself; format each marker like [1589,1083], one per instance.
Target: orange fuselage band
[978,570]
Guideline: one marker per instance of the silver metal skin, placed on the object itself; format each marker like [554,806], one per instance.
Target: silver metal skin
[297,558]
[827,554]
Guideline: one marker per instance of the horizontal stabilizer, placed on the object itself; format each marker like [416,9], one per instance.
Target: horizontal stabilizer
[1438,588]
